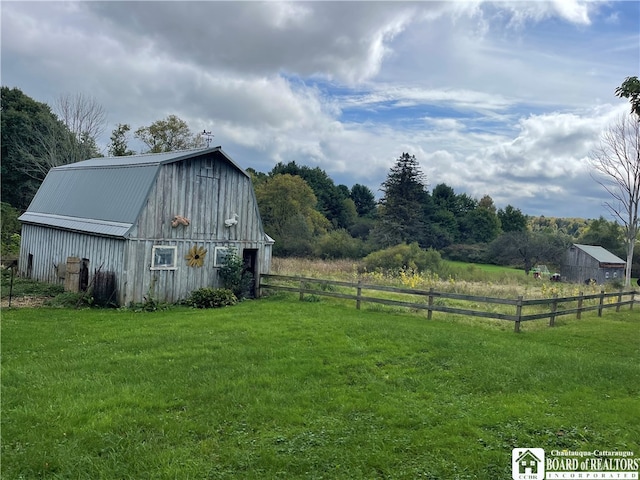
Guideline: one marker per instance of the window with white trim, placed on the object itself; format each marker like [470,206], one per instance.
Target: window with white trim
[220,256]
[164,257]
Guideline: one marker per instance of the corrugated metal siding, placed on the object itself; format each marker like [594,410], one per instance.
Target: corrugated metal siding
[50,247]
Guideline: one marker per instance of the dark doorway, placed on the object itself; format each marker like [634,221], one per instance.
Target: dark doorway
[250,261]
[30,265]
[84,275]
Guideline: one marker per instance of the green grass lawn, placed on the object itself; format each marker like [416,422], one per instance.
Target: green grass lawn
[278,388]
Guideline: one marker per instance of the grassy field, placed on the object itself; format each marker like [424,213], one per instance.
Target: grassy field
[278,388]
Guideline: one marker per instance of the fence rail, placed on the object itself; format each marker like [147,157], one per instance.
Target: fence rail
[555,305]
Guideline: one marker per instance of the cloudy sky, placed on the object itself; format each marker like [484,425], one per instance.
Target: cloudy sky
[504,99]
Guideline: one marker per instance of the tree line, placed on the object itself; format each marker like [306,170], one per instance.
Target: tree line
[309,215]
[302,208]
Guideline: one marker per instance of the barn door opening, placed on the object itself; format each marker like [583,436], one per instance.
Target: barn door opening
[84,275]
[30,266]
[250,260]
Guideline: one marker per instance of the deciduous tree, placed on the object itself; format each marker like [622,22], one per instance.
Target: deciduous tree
[527,249]
[605,233]
[119,141]
[86,119]
[512,219]
[630,89]
[615,165]
[329,196]
[169,135]
[33,141]
[287,206]
[480,225]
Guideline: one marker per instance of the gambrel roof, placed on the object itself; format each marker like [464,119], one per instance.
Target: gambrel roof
[104,196]
[600,254]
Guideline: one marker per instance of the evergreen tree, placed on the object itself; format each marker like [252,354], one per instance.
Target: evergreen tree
[402,207]
[364,200]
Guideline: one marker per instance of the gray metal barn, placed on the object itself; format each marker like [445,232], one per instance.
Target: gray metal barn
[158,225]
[591,262]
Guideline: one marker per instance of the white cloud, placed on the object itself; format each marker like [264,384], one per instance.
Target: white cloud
[498,98]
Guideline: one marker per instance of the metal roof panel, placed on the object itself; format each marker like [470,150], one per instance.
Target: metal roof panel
[601,254]
[106,194]
[142,159]
[106,190]
[98,227]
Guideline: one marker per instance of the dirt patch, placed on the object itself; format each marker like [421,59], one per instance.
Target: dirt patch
[24,302]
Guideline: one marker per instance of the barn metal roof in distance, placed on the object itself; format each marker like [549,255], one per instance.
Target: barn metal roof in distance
[601,254]
[103,196]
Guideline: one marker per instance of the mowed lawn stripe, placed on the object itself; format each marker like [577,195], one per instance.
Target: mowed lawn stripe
[279,388]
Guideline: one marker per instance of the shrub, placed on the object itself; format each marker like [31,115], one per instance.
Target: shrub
[404,256]
[474,253]
[234,277]
[208,297]
[617,284]
[338,244]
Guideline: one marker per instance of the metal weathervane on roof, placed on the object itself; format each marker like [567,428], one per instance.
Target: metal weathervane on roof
[208,136]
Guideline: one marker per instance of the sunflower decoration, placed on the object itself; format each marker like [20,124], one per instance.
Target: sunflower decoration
[195,257]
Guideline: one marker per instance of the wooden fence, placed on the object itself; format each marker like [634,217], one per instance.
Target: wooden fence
[555,306]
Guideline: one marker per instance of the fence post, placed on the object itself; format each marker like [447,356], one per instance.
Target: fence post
[518,314]
[11,285]
[301,289]
[554,309]
[430,304]
[601,303]
[619,300]
[633,299]
[580,300]
[359,294]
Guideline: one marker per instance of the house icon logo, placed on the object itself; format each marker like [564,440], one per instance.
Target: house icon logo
[527,463]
